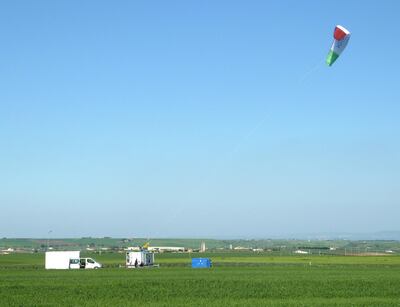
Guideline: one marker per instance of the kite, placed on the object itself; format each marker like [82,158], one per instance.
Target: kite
[341,37]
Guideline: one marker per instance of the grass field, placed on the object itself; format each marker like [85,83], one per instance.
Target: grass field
[237,279]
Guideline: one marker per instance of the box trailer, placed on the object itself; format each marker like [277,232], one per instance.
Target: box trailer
[139,259]
[60,260]
[64,260]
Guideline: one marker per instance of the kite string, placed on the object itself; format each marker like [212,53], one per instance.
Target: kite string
[258,125]
[250,133]
[241,142]
[310,72]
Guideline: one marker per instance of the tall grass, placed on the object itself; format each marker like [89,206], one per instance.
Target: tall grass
[289,281]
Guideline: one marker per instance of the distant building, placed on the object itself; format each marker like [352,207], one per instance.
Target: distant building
[241,248]
[300,252]
[166,249]
[202,247]
[133,248]
[8,250]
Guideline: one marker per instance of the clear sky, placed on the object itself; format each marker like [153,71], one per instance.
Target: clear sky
[198,118]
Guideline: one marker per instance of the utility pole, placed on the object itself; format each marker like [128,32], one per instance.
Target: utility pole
[48,239]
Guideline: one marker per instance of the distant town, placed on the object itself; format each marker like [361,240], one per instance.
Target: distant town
[273,246]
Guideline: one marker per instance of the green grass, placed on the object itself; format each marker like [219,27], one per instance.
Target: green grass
[238,279]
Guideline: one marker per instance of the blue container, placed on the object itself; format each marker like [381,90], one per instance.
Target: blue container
[201,263]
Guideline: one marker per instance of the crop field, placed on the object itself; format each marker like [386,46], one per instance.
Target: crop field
[237,279]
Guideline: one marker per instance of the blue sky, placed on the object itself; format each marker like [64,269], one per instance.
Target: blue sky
[198,118]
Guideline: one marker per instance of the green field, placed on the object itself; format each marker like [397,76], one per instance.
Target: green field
[237,279]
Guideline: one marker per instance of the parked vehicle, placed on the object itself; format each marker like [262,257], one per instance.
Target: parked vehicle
[69,260]
[89,263]
[139,259]
[60,260]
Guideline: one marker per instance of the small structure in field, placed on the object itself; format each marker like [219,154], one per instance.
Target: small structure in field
[199,263]
[139,259]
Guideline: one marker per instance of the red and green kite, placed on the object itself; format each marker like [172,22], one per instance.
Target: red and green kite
[341,37]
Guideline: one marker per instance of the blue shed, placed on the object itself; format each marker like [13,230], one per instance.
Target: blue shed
[201,263]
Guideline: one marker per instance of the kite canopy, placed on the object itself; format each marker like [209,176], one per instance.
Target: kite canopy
[341,37]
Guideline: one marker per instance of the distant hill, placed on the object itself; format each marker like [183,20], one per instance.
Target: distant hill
[379,240]
[381,235]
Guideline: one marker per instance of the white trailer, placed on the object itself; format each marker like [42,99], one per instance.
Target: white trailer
[60,260]
[139,259]
[69,260]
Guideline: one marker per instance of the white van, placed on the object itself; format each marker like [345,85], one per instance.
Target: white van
[84,263]
[89,263]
